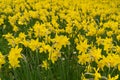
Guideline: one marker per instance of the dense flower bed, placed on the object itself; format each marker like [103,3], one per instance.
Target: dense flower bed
[59,39]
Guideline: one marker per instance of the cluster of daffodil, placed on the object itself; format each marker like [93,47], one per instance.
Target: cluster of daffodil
[84,30]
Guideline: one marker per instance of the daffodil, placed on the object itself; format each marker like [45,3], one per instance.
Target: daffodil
[2,59]
[45,65]
[13,57]
[83,46]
